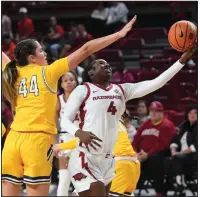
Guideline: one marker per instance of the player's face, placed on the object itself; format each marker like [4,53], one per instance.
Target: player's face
[68,82]
[142,109]
[156,115]
[192,116]
[40,56]
[101,71]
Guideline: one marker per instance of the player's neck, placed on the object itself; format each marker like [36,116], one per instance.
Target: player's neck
[66,96]
[104,84]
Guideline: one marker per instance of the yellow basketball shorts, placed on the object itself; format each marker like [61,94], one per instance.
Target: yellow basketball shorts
[126,178]
[27,158]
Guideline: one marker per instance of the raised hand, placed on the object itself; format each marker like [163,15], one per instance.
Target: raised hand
[127,27]
[188,54]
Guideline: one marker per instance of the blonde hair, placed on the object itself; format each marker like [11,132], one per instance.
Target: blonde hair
[9,77]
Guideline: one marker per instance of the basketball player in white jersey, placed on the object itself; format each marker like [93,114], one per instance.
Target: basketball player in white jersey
[67,83]
[101,105]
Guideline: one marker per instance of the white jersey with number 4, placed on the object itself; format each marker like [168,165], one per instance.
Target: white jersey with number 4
[101,108]
[100,112]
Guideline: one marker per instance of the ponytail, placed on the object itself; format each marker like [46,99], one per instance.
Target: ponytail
[9,78]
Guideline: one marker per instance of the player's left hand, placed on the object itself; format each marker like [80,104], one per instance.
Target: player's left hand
[122,33]
[188,54]
[56,149]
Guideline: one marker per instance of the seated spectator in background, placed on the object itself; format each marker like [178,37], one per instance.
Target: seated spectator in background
[101,13]
[84,36]
[6,26]
[99,17]
[69,39]
[122,75]
[184,147]
[142,114]
[117,16]
[151,142]
[8,46]
[56,32]
[25,25]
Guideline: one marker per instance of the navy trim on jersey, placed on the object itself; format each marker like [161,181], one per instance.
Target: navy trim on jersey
[12,179]
[45,82]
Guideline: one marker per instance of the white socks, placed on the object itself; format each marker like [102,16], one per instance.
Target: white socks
[64,183]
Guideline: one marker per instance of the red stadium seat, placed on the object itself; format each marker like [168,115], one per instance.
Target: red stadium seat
[177,118]
[132,44]
[155,63]
[169,51]
[148,33]
[147,75]
[187,76]
[186,89]
[110,55]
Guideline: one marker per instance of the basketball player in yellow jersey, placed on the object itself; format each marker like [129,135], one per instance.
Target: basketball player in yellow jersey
[127,164]
[30,86]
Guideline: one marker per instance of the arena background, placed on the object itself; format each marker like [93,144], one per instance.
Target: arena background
[144,53]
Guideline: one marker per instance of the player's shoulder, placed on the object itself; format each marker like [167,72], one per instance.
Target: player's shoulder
[82,90]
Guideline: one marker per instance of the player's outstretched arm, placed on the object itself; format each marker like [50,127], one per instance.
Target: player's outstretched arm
[95,45]
[5,60]
[143,88]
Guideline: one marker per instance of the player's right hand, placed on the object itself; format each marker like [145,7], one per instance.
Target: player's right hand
[88,138]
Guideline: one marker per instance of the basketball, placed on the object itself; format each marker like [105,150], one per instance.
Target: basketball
[182,35]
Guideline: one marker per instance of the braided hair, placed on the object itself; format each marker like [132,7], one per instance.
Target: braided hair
[10,74]
[85,75]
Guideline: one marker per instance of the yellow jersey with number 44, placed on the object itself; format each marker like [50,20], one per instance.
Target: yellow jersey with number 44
[37,96]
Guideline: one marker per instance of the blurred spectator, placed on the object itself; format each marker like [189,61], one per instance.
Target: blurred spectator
[8,46]
[184,147]
[25,25]
[69,39]
[56,32]
[142,114]
[84,36]
[101,12]
[6,26]
[99,17]
[151,142]
[122,75]
[117,17]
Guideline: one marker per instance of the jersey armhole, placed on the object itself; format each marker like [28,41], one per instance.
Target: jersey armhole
[58,100]
[88,93]
[121,89]
[45,81]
